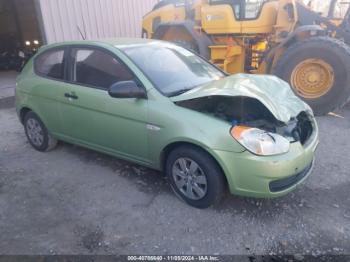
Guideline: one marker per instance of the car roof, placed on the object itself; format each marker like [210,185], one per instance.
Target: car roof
[116,42]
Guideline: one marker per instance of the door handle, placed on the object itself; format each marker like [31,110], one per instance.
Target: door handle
[71,96]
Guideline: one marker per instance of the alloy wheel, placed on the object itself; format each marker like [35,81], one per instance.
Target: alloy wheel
[189,178]
[35,132]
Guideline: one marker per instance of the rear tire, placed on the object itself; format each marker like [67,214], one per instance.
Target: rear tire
[37,134]
[203,185]
[327,53]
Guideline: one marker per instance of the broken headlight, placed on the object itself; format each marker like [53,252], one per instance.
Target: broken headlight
[260,142]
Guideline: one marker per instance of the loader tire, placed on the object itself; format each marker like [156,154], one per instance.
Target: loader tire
[318,70]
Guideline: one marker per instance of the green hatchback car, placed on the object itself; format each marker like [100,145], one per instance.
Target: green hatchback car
[163,107]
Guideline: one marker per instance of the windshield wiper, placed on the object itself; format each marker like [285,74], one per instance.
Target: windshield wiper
[179,92]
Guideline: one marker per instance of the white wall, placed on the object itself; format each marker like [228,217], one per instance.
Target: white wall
[99,18]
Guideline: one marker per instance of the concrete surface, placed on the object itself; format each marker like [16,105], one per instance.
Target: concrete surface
[76,201]
[7,83]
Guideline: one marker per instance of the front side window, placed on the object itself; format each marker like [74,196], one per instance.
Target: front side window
[96,68]
[172,69]
[51,64]
[253,8]
[243,9]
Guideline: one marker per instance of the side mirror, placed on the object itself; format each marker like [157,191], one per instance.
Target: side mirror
[126,89]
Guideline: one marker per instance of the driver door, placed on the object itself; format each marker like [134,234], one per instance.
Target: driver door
[92,117]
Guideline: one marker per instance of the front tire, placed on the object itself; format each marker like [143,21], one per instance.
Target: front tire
[195,177]
[318,70]
[37,134]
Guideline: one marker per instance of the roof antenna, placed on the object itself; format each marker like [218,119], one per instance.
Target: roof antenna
[81,34]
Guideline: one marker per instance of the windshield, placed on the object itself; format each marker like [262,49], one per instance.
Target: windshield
[172,69]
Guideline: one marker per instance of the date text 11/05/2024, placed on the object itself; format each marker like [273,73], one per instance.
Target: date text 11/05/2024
[173,258]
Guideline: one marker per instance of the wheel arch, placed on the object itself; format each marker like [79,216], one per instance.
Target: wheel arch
[297,35]
[304,31]
[23,111]
[172,146]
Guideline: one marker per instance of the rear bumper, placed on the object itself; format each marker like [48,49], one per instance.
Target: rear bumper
[270,176]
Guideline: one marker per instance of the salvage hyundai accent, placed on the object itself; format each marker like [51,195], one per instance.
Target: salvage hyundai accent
[161,106]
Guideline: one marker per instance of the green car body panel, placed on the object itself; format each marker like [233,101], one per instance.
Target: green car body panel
[140,130]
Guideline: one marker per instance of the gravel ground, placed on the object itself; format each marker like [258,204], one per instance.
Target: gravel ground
[76,201]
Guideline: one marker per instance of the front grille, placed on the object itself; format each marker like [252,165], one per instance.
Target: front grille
[285,183]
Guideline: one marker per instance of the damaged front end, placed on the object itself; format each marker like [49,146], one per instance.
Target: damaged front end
[250,112]
[256,106]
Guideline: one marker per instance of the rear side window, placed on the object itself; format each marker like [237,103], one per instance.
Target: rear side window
[99,69]
[51,64]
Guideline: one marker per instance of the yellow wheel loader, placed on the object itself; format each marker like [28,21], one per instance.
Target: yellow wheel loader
[281,37]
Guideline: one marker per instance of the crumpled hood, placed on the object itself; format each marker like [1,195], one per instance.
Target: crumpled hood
[271,91]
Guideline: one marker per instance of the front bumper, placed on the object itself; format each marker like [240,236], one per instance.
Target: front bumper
[270,176]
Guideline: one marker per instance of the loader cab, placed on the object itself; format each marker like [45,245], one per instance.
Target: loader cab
[239,16]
